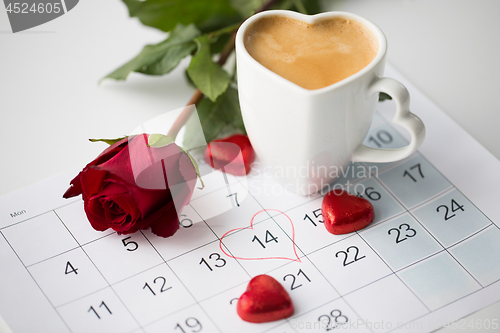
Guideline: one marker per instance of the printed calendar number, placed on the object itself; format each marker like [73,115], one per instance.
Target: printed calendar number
[235,197]
[70,269]
[371,194]
[403,232]
[414,172]
[269,238]
[234,301]
[454,207]
[316,213]
[185,222]
[333,320]
[133,245]
[346,253]
[219,262]
[381,138]
[161,280]
[293,286]
[191,324]
[101,306]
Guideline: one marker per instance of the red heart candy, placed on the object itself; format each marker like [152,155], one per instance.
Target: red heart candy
[223,154]
[264,300]
[344,213]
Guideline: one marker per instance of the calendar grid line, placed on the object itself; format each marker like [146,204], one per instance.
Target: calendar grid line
[328,245]
[36,283]
[136,274]
[440,243]
[46,259]
[439,308]
[472,235]
[422,204]
[193,249]
[475,206]
[279,226]
[38,215]
[180,280]
[418,205]
[82,297]
[233,257]
[100,272]
[340,295]
[393,217]
[99,238]
[220,241]
[393,271]
[406,270]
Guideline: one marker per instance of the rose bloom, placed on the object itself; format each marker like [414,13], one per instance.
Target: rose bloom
[131,186]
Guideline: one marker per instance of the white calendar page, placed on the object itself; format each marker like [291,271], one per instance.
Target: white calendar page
[429,257]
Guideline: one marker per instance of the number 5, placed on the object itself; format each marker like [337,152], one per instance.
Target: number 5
[134,245]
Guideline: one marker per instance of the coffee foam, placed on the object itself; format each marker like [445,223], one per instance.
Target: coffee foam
[312,56]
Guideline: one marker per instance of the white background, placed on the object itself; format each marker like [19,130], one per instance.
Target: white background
[51,103]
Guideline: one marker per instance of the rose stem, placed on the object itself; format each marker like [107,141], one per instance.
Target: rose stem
[198,96]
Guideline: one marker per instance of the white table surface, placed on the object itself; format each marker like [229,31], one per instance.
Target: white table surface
[51,103]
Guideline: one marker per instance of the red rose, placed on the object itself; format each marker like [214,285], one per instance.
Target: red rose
[131,186]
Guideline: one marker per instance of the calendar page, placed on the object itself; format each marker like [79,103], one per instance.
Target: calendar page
[430,256]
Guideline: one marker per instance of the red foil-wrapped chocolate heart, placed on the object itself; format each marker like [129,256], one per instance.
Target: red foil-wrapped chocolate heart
[264,300]
[225,154]
[344,213]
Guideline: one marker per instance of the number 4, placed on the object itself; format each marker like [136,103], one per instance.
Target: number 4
[70,269]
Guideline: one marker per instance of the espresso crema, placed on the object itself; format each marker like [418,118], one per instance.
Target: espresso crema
[311,56]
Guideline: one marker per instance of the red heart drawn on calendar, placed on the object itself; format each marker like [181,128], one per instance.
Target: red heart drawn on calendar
[344,213]
[264,300]
[250,229]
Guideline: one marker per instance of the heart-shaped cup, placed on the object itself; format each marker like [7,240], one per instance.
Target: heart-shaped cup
[307,137]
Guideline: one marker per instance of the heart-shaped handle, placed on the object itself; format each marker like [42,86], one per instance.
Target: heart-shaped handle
[403,117]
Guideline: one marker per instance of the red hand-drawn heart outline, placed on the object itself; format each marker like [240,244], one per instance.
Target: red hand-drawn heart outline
[251,228]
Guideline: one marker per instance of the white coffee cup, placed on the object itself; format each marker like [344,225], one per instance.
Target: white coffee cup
[296,131]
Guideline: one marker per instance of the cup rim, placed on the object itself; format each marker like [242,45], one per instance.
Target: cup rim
[241,50]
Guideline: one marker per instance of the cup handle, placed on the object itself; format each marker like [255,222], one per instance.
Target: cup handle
[403,117]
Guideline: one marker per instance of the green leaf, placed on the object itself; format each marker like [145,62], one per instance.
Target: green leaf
[383,96]
[247,8]
[312,6]
[211,123]
[300,7]
[159,140]
[207,75]
[196,168]
[228,105]
[207,15]
[108,141]
[215,117]
[217,43]
[161,58]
